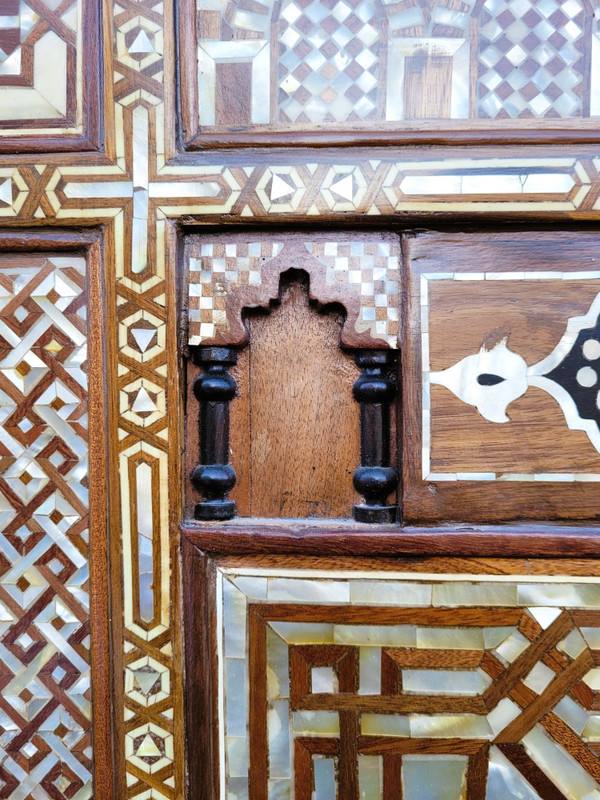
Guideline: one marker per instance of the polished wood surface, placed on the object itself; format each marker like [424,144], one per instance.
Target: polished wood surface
[465,315]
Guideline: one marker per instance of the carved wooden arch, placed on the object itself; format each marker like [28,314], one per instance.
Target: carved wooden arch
[359,272]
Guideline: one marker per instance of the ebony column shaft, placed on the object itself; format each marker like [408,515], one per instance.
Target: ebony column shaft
[375,479]
[214,388]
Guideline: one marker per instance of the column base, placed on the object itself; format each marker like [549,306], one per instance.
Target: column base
[375,514]
[215,510]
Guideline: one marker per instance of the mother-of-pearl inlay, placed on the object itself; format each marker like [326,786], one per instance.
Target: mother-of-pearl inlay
[493,378]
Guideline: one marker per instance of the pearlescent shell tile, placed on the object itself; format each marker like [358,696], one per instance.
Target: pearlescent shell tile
[450,638]
[325,783]
[572,713]
[512,646]
[506,711]
[308,591]
[370,777]
[468,726]
[563,594]
[401,594]
[563,770]
[319,723]
[279,739]
[385,635]
[465,594]
[384,725]
[440,679]
[370,670]
[425,777]
[505,780]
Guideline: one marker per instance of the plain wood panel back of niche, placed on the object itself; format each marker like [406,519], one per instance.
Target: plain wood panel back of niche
[294,428]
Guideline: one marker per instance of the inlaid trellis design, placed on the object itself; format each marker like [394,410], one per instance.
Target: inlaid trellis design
[99,186]
[48,78]
[46,694]
[369,684]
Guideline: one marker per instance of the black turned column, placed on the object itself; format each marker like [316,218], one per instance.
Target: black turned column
[375,479]
[214,388]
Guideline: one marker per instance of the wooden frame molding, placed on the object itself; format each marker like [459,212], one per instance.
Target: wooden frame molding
[302,616]
[200,31]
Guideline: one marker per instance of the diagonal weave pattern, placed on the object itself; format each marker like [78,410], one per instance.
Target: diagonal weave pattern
[329,60]
[531,59]
[45,707]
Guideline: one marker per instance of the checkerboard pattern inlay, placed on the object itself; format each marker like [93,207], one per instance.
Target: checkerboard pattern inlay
[531,59]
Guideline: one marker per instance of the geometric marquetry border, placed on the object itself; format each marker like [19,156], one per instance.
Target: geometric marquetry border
[524,594]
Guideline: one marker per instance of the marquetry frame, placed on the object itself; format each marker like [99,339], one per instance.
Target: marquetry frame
[398,183]
[203,667]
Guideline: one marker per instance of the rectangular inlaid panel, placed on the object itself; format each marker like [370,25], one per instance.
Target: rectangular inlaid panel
[502,381]
[45,702]
[407,684]
[360,63]
[48,71]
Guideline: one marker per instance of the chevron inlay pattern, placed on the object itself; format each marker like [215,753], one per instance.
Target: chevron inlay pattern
[358,684]
[45,705]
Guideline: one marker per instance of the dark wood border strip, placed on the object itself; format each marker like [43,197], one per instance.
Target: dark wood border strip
[335,538]
[258,735]
[202,726]
[468,617]
[376,138]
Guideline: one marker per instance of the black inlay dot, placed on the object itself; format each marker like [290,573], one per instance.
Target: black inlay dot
[487,379]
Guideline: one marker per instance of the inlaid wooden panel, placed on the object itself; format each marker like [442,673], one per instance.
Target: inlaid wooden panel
[49,75]
[306,67]
[295,425]
[495,394]
[377,683]
[52,598]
